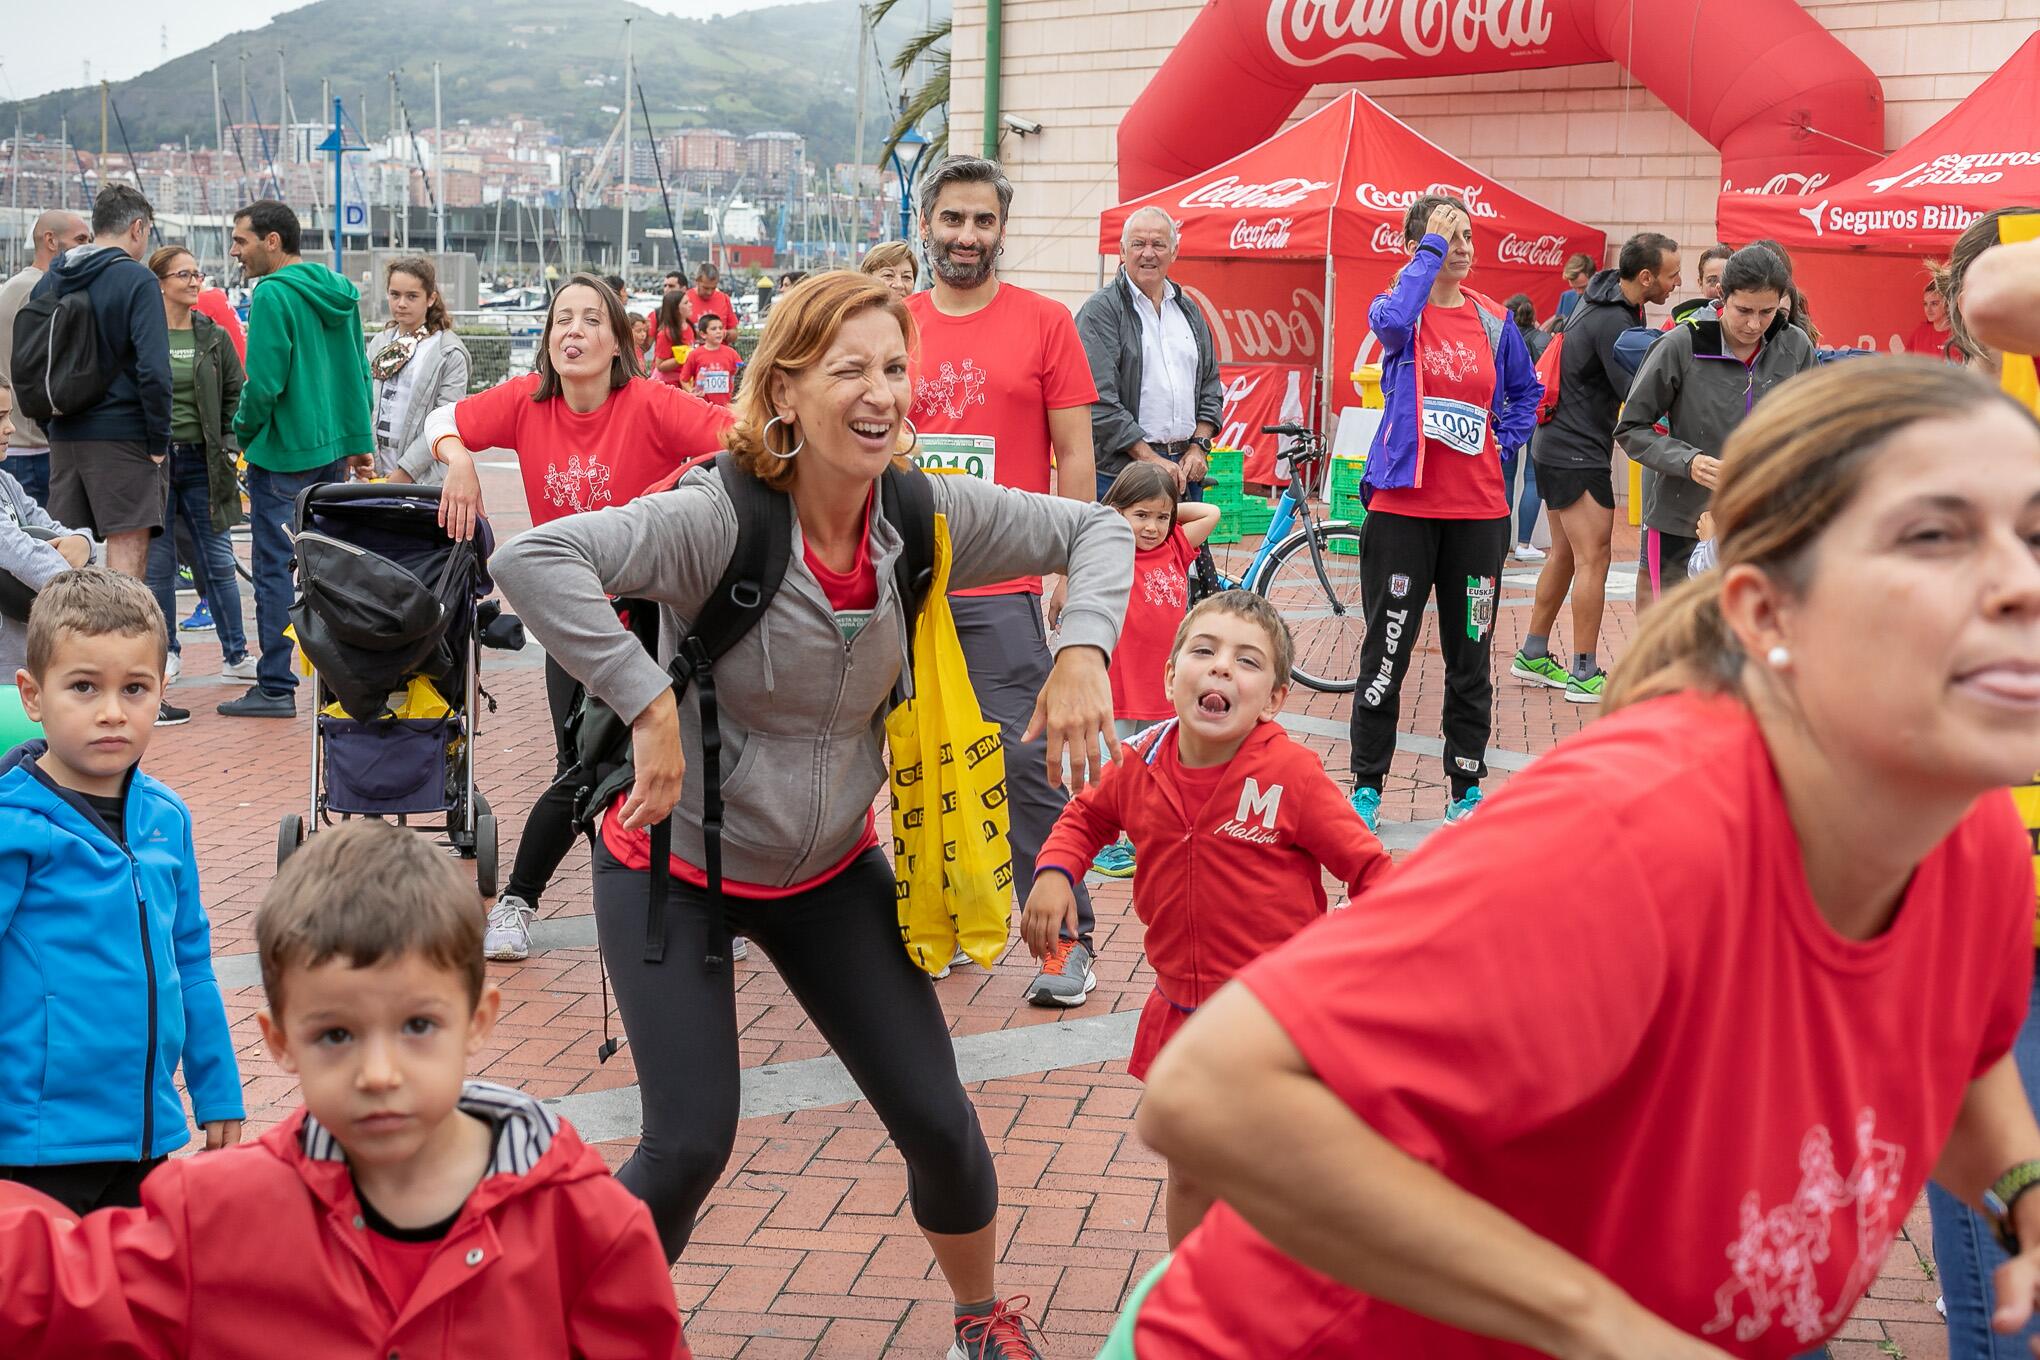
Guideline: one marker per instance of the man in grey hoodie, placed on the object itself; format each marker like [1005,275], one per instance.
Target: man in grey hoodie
[1701,380]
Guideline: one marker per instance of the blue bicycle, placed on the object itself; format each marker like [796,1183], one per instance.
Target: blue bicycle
[1309,570]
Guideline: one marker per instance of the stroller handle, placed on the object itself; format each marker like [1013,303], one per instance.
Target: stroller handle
[332,493]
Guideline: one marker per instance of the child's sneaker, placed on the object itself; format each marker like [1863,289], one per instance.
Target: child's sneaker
[1459,809]
[1367,802]
[201,620]
[1540,670]
[1587,691]
[998,1335]
[1114,861]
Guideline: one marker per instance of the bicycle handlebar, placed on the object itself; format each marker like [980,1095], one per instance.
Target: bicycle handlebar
[1293,431]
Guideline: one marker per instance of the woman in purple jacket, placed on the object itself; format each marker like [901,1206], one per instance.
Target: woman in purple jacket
[1458,388]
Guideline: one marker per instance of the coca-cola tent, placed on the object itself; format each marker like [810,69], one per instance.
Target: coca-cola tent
[1859,245]
[1286,244]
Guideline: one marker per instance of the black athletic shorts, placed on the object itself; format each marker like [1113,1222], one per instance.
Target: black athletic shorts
[1561,486]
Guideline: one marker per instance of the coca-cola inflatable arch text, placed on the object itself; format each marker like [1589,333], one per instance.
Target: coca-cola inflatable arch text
[1785,103]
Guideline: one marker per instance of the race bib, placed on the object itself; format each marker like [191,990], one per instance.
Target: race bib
[1459,425]
[976,454]
[713,381]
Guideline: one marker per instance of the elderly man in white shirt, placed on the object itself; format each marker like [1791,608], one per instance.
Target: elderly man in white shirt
[1153,361]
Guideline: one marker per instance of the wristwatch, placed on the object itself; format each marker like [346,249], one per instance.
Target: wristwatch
[2004,1193]
[1201,442]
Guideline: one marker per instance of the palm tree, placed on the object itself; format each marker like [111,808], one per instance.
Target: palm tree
[932,43]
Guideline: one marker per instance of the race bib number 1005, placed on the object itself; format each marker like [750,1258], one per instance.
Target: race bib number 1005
[976,454]
[1458,425]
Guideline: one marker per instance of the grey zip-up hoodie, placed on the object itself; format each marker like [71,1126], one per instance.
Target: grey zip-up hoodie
[1696,385]
[26,535]
[802,710]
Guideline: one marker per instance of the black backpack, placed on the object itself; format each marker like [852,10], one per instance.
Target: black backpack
[600,739]
[56,356]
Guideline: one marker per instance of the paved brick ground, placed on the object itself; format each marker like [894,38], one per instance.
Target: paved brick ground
[808,1248]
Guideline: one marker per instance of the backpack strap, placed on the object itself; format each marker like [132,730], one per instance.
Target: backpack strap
[752,577]
[908,502]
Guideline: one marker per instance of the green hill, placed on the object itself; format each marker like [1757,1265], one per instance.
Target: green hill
[791,66]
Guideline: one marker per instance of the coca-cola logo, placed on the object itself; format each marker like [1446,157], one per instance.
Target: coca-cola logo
[1313,32]
[1272,234]
[1784,182]
[1388,239]
[1230,193]
[1540,250]
[1399,200]
[1293,330]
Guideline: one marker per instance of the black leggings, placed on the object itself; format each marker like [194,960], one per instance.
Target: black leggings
[549,830]
[838,947]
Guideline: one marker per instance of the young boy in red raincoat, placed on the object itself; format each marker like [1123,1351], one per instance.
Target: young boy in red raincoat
[1233,824]
[402,1212]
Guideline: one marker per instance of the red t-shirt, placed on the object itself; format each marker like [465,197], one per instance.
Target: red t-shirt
[572,462]
[1459,480]
[852,596]
[213,302]
[1673,1068]
[1926,340]
[717,302]
[995,375]
[713,373]
[1154,611]
[663,346]
[399,1266]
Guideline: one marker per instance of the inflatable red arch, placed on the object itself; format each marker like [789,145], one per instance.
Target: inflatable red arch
[1786,104]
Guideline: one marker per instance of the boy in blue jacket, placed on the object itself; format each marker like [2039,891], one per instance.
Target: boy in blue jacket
[106,981]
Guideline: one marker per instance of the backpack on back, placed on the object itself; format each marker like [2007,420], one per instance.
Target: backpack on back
[1549,366]
[56,356]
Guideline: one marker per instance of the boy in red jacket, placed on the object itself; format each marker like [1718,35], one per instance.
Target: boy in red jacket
[402,1212]
[1232,822]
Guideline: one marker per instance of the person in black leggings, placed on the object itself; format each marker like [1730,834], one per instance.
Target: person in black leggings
[802,696]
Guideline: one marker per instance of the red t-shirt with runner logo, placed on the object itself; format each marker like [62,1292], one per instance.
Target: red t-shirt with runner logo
[713,373]
[1460,467]
[984,385]
[1154,611]
[717,302]
[1673,1068]
[572,462]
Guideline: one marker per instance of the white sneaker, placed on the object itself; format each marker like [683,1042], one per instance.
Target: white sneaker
[1528,552]
[740,948]
[956,960]
[244,669]
[508,938]
[172,668]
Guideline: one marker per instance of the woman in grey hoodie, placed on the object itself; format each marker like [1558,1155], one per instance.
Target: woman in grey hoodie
[804,695]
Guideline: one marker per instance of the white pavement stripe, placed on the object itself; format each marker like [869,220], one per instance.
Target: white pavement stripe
[1306,725]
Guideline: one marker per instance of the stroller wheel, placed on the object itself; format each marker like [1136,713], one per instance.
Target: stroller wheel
[485,856]
[290,834]
[482,808]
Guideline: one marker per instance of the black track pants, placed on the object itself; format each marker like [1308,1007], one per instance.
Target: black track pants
[1403,562]
[549,830]
[838,947]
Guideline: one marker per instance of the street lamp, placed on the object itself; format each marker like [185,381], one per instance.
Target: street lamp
[906,167]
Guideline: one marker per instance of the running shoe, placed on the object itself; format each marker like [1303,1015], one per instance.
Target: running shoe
[1587,691]
[508,938]
[1528,552]
[740,948]
[184,581]
[1367,802]
[998,1335]
[201,620]
[956,960]
[1066,980]
[173,666]
[1115,860]
[244,669]
[169,715]
[1459,809]
[1540,670]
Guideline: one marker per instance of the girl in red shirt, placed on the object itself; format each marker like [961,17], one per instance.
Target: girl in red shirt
[589,431]
[1678,1106]
[673,334]
[1166,537]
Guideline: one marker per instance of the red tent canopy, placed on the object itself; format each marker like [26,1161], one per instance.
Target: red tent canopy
[1858,243]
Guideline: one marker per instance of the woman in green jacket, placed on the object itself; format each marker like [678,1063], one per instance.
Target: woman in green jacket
[203,493]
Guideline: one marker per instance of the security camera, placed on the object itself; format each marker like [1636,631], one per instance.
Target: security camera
[1025,127]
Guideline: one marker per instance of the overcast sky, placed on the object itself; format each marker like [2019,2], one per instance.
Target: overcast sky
[44,47]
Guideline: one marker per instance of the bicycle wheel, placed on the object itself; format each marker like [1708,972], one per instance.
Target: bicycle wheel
[1327,626]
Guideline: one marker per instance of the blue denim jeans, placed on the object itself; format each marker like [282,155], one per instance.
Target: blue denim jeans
[271,498]
[1527,503]
[32,470]
[191,500]
[1966,1252]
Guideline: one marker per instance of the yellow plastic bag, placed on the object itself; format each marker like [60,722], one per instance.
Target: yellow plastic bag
[422,699]
[952,868]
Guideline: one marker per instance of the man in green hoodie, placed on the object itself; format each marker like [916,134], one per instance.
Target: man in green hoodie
[304,412]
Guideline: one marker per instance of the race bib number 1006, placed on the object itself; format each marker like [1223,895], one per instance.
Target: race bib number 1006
[976,454]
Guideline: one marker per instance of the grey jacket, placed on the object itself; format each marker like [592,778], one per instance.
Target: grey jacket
[803,712]
[1110,329]
[30,559]
[443,384]
[1692,382]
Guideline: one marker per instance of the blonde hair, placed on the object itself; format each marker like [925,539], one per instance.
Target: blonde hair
[1787,473]
[1255,609]
[91,602]
[889,255]
[1977,237]
[804,323]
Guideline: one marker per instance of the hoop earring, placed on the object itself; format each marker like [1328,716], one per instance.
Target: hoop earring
[908,451]
[765,441]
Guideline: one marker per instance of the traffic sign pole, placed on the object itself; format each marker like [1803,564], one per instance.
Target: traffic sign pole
[336,145]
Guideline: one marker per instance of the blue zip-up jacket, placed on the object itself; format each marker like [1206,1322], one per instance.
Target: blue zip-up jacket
[106,979]
[134,346]
[1396,316]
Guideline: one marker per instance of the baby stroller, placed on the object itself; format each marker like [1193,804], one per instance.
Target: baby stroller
[386,599]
